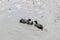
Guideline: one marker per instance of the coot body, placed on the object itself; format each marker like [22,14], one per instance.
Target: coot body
[39,26]
[23,21]
[29,22]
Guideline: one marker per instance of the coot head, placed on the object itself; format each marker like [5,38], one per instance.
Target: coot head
[30,22]
[36,22]
[29,19]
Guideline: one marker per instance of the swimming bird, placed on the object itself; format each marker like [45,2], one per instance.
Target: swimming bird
[24,21]
[29,22]
[39,26]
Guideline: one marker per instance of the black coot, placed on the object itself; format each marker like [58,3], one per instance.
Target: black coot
[29,22]
[39,26]
[23,21]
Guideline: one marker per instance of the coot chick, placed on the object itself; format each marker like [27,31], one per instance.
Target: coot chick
[39,26]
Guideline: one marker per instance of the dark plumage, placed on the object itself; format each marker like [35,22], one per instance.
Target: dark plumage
[39,26]
[29,19]
[36,22]
[30,22]
[23,21]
